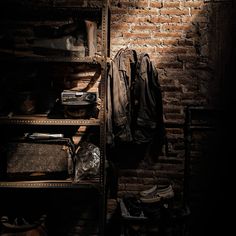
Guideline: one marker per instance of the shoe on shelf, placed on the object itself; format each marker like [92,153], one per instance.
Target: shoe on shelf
[160,193]
[165,192]
[148,191]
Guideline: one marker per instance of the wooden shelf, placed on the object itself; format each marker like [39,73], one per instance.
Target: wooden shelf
[34,11]
[37,120]
[23,16]
[21,56]
[93,183]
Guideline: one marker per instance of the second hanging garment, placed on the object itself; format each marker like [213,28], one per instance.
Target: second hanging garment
[134,102]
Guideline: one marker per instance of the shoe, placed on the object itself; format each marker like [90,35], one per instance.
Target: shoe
[165,192]
[158,195]
[148,191]
[162,185]
[152,198]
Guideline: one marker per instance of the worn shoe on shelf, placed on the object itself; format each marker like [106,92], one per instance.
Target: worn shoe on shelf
[158,194]
[165,192]
[148,191]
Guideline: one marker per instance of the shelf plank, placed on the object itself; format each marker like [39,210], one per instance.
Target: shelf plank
[37,120]
[38,10]
[93,183]
[22,56]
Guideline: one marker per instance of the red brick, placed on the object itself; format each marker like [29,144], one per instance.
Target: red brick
[149,49]
[118,26]
[168,34]
[174,116]
[165,59]
[155,4]
[115,34]
[176,19]
[187,57]
[192,19]
[170,65]
[197,4]
[154,41]
[145,27]
[173,50]
[141,12]
[142,3]
[175,130]
[136,35]
[167,4]
[176,27]
[198,11]
[119,11]
[118,40]
[173,42]
[177,12]
[165,80]
[135,19]
[196,65]
[165,19]
[160,19]
[171,88]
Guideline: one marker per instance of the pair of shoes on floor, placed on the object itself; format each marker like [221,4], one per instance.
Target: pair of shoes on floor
[157,193]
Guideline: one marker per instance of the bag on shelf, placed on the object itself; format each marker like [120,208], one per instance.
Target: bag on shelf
[87,161]
[38,158]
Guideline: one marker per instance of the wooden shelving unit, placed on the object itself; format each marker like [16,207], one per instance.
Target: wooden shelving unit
[52,11]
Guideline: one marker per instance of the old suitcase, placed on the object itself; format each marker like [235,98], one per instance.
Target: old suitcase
[38,159]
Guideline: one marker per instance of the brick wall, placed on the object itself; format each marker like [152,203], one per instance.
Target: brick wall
[188,41]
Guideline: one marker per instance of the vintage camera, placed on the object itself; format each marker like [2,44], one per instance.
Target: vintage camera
[77,98]
[79,104]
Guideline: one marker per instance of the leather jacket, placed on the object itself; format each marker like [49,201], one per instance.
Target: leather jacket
[148,107]
[118,97]
[134,100]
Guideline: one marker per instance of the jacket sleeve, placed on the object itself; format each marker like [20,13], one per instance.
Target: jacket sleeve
[149,109]
[117,121]
[109,132]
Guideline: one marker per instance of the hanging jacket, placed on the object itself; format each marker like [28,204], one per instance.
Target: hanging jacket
[120,77]
[134,100]
[118,97]
[116,106]
[148,107]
